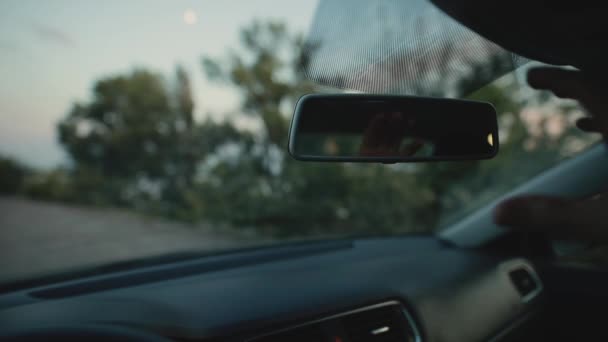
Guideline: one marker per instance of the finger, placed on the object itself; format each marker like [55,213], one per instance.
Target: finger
[564,83]
[574,84]
[592,125]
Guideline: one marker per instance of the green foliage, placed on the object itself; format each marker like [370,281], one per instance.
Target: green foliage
[128,127]
[12,176]
[303,198]
[266,74]
[136,144]
[54,185]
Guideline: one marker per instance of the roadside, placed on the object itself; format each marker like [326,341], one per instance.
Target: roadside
[38,238]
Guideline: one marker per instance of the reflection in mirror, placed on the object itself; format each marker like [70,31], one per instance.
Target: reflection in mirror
[391,128]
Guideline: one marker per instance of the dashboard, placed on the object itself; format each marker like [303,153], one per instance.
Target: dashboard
[405,288]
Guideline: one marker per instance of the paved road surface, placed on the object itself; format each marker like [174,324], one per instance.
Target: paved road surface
[40,237]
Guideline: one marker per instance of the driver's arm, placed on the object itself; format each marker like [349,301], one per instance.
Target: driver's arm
[585,219]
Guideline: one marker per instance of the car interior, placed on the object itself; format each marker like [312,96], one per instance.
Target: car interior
[468,284]
[471,281]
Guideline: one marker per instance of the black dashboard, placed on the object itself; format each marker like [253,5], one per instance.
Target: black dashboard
[412,287]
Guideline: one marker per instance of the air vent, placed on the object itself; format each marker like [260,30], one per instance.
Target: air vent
[385,322]
[526,282]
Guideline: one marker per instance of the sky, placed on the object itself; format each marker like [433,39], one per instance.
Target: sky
[52,51]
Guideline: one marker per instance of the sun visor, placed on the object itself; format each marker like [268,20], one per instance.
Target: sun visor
[401,47]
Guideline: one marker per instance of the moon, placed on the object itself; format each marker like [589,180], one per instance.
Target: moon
[190,17]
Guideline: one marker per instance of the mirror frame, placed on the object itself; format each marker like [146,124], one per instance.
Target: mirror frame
[384,160]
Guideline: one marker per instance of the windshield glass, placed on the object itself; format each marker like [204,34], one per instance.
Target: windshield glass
[135,129]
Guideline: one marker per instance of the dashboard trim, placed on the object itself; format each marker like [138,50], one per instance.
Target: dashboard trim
[408,316]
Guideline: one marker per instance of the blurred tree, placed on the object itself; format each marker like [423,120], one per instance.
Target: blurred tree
[138,135]
[292,198]
[136,143]
[268,73]
[12,176]
[52,185]
[127,128]
[308,198]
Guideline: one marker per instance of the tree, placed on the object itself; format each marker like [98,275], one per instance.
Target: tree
[125,130]
[267,73]
[291,198]
[136,143]
[137,137]
[303,198]
[12,176]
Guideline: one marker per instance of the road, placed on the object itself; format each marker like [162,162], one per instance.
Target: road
[39,238]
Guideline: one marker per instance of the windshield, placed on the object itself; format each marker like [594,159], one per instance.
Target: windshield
[135,129]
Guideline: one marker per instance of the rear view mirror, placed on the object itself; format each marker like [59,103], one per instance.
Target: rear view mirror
[390,129]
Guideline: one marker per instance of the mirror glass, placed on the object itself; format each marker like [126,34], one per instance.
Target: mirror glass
[392,129]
